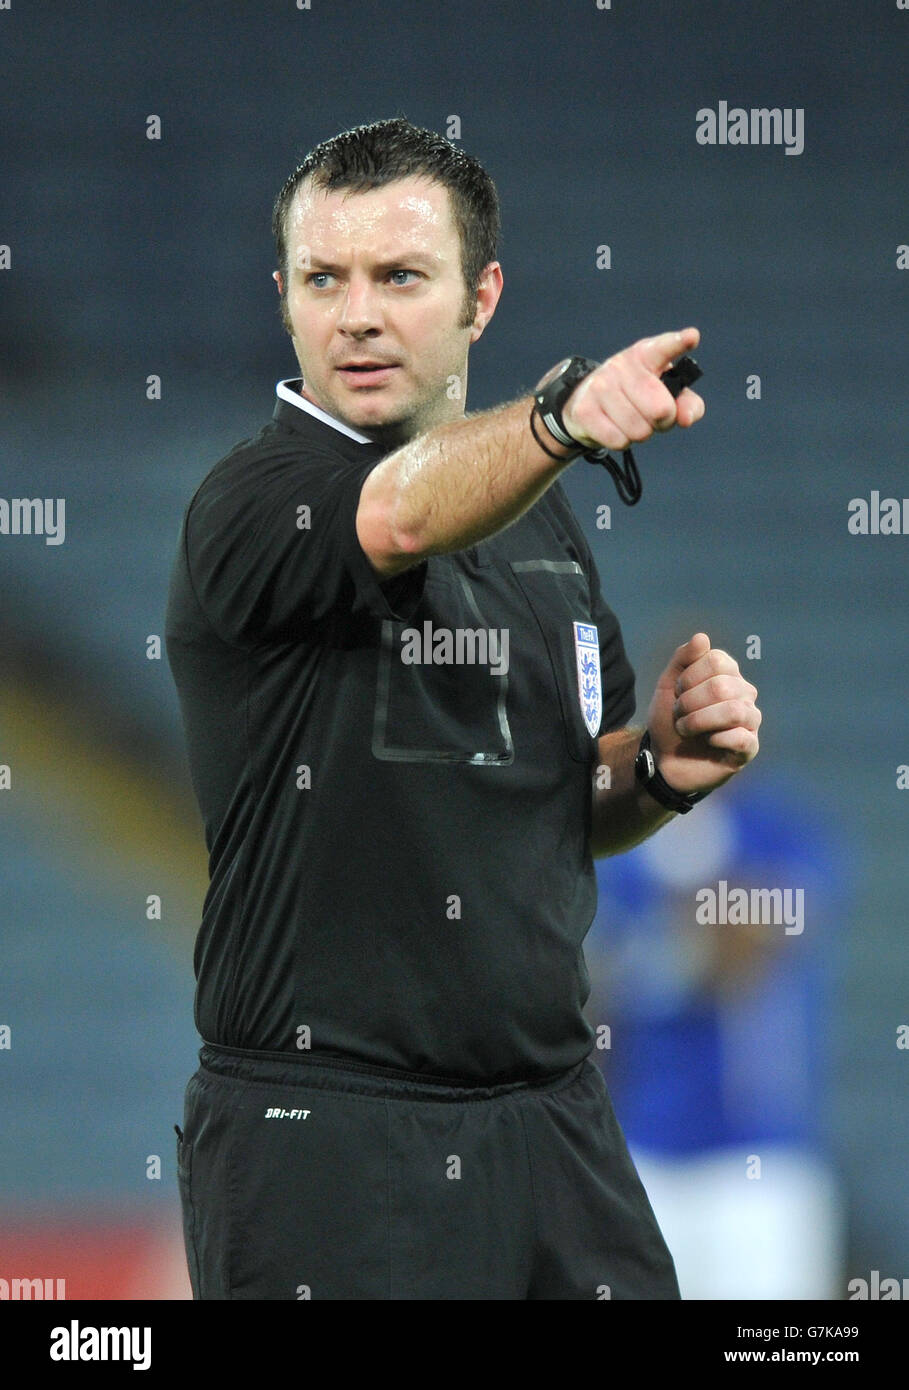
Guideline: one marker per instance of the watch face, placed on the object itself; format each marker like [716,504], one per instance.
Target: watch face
[552,374]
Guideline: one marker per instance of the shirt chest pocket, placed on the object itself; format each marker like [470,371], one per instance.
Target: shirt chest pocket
[442,679]
[558,594]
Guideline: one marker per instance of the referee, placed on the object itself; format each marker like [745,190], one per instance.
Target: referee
[406,704]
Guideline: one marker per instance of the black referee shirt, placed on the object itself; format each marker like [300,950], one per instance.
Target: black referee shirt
[397,820]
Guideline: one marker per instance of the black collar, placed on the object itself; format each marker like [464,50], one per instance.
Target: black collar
[301,421]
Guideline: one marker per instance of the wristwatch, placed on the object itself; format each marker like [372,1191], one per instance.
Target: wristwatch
[553,390]
[645,771]
[549,397]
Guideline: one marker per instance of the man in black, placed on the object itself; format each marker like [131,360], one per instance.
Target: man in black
[401,686]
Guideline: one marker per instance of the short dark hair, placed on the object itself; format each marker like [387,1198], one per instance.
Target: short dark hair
[370,156]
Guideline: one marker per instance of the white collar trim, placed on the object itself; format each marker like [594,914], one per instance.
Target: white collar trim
[285,392]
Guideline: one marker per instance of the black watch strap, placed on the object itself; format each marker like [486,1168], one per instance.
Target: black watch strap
[551,393]
[645,771]
[549,397]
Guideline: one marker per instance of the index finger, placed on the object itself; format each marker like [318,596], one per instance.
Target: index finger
[657,353]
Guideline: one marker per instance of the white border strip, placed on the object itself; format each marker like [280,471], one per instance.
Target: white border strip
[294,398]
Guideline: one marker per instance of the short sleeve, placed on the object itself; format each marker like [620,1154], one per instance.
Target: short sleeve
[616,672]
[272,549]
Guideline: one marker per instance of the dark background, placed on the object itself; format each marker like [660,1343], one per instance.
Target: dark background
[132,257]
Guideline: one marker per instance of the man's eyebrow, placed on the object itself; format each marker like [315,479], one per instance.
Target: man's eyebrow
[403,260]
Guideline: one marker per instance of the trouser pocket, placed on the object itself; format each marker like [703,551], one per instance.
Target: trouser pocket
[184,1183]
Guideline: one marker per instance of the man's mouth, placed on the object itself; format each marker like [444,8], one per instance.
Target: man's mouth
[367,373]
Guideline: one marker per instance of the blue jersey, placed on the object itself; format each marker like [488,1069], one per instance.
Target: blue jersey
[718,1034]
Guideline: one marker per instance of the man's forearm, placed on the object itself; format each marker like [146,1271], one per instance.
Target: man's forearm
[461,482]
[624,813]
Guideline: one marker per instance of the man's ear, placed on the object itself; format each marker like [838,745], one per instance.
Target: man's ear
[285,317]
[488,292]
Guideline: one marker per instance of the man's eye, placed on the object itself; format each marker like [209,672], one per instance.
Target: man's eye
[326,274]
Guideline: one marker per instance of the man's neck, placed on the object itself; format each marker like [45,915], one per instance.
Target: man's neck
[389,437]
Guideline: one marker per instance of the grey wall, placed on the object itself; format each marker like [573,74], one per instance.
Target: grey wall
[132,257]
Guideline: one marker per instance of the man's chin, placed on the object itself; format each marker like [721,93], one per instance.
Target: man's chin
[371,411]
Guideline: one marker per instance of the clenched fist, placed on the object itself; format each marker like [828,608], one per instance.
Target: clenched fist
[624,401]
[703,719]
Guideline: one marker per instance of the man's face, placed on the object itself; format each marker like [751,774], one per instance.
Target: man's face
[376,278]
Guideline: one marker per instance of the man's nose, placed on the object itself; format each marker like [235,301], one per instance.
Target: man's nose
[361,309]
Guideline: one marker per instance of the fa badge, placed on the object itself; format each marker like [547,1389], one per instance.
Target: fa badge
[590,687]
